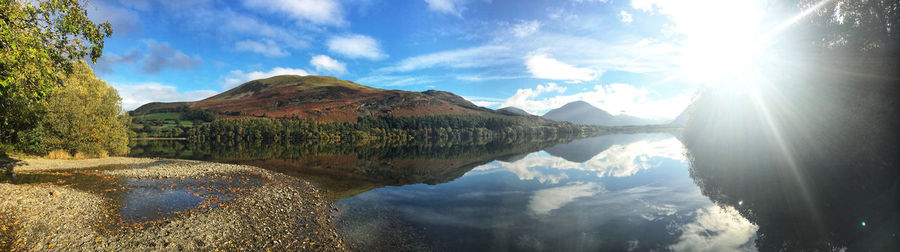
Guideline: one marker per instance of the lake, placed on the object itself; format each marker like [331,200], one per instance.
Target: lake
[614,192]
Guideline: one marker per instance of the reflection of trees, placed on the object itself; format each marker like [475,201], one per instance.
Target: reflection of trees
[819,205]
[347,169]
[814,152]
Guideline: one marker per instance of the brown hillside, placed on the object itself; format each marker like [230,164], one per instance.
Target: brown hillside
[330,99]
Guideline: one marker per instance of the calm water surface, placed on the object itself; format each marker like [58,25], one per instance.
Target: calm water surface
[616,192]
[603,193]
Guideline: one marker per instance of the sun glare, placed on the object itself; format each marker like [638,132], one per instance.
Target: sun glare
[722,41]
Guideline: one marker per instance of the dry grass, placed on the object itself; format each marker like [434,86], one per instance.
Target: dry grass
[58,154]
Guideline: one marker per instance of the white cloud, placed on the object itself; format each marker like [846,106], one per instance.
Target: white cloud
[625,17]
[543,67]
[327,12]
[123,21]
[525,98]
[268,48]
[356,46]
[645,5]
[615,99]
[232,24]
[717,229]
[486,103]
[610,54]
[525,28]
[550,87]
[393,80]
[619,160]
[480,78]
[546,200]
[217,19]
[462,58]
[451,7]
[323,63]
[135,95]
[237,77]
[157,57]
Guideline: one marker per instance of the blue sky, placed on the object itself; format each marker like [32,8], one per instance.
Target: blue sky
[622,56]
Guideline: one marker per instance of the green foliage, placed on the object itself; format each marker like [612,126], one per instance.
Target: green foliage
[39,42]
[467,129]
[158,116]
[84,115]
[857,25]
[170,124]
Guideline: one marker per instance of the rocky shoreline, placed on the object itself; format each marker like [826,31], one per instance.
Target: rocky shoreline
[277,213]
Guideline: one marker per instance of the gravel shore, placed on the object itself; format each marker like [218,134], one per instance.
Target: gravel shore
[283,213]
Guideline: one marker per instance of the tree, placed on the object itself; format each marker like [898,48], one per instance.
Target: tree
[40,42]
[85,115]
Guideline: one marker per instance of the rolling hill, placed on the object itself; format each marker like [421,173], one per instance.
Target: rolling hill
[581,112]
[514,110]
[322,98]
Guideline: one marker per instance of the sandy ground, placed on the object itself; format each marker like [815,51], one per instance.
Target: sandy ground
[285,214]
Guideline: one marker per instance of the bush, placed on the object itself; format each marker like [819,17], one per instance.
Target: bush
[58,154]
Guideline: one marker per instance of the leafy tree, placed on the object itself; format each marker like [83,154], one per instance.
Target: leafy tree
[40,42]
[860,25]
[85,115]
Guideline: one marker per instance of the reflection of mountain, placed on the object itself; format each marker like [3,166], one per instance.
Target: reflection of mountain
[344,171]
[810,151]
[582,150]
[615,155]
[805,207]
[806,190]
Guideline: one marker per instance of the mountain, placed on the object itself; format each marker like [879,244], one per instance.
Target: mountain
[584,113]
[582,150]
[514,110]
[682,118]
[322,98]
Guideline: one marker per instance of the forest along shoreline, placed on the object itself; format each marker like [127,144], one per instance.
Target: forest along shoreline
[85,204]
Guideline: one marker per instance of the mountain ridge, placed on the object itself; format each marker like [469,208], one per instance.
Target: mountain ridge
[321,98]
[581,112]
[515,110]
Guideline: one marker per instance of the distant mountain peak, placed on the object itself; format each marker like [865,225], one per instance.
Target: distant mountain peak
[515,110]
[581,112]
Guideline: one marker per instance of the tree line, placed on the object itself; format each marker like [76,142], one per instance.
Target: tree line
[390,129]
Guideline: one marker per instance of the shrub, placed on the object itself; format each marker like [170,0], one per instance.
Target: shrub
[58,154]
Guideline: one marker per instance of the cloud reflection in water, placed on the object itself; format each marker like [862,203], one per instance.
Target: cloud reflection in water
[619,160]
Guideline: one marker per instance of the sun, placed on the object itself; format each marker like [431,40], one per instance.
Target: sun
[722,40]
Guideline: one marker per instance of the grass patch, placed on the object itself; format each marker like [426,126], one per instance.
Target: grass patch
[160,116]
[58,154]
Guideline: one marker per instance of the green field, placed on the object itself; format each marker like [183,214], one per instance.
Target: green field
[160,116]
[170,124]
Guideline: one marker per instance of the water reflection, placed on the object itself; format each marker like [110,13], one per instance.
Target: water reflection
[617,192]
[617,156]
[628,192]
[346,170]
[816,203]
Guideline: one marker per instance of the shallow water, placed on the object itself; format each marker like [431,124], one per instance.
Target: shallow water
[140,201]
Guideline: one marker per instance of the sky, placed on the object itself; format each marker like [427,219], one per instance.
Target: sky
[626,57]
